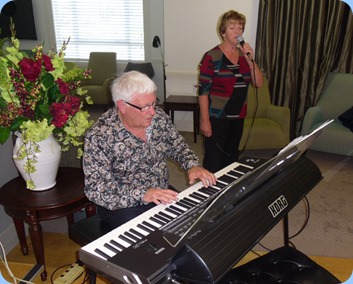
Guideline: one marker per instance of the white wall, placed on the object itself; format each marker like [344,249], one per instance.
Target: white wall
[190,30]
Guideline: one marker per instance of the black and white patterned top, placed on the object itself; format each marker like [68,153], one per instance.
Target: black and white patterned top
[119,167]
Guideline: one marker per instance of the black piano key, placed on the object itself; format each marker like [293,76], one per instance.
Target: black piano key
[213,190]
[158,221]
[191,202]
[104,255]
[160,217]
[195,196]
[242,169]
[218,185]
[183,204]
[170,218]
[235,174]
[175,210]
[110,247]
[201,196]
[137,233]
[206,191]
[131,236]
[147,229]
[115,243]
[126,239]
[226,179]
[149,225]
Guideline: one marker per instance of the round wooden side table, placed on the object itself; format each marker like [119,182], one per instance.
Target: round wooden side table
[32,207]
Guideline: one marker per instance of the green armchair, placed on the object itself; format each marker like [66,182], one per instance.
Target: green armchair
[336,97]
[271,126]
[103,66]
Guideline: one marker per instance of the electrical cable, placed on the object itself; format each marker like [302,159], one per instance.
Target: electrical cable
[255,112]
[4,261]
[306,220]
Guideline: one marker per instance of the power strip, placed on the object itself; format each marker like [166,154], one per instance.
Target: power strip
[70,275]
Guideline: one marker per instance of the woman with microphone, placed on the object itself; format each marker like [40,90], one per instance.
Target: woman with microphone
[225,73]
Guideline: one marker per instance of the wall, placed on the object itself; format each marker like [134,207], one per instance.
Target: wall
[190,30]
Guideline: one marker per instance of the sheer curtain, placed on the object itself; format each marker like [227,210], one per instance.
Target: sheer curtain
[298,43]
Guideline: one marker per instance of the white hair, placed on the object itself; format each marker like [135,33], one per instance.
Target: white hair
[131,84]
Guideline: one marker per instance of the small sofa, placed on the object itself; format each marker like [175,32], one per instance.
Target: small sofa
[335,99]
[271,127]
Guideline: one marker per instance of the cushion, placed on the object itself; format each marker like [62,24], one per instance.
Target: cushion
[347,118]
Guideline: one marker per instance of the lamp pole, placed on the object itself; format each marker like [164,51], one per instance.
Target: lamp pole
[157,44]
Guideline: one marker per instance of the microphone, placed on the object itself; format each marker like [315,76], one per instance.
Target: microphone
[241,41]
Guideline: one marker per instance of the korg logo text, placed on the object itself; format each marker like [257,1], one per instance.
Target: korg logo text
[278,206]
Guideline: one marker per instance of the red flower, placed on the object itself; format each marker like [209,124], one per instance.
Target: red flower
[30,69]
[62,111]
[74,103]
[63,87]
[47,63]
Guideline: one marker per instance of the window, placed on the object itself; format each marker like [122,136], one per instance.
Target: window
[104,25]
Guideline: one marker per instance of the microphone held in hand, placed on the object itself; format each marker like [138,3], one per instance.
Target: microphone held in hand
[241,41]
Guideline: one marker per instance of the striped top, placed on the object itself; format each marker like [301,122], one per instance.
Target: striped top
[225,83]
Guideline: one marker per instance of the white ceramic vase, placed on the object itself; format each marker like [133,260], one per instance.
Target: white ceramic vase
[47,166]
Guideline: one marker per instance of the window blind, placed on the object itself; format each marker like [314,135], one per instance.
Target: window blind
[100,25]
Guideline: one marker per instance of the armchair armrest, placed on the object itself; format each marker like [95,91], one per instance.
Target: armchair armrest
[312,117]
[281,115]
[106,85]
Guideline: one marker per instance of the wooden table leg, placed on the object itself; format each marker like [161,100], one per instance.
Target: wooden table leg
[90,210]
[21,234]
[36,234]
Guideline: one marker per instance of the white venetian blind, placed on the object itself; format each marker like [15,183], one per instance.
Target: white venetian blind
[100,25]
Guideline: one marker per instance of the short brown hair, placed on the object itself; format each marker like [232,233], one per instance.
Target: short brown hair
[228,16]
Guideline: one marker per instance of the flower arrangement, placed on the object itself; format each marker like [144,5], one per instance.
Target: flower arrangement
[38,98]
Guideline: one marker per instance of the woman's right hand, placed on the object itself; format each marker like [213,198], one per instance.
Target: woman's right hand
[205,127]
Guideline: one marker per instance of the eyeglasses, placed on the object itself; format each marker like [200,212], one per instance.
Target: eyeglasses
[144,108]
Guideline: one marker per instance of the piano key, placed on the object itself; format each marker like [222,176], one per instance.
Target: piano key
[146,229]
[126,239]
[184,204]
[151,226]
[99,252]
[175,210]
[113,249]
[138,233]
[169,217]
[190,201]
[243,169]
[235,174]
[161,218]
[132,236]
[193,195]
[116,244]
[158,221]
[227,179]
[201,195]
[206,191]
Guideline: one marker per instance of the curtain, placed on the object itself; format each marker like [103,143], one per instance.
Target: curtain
[298,43]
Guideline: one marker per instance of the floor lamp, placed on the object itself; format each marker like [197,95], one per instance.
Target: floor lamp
[157,44]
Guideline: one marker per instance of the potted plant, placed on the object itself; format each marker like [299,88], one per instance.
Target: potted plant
[39,98]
